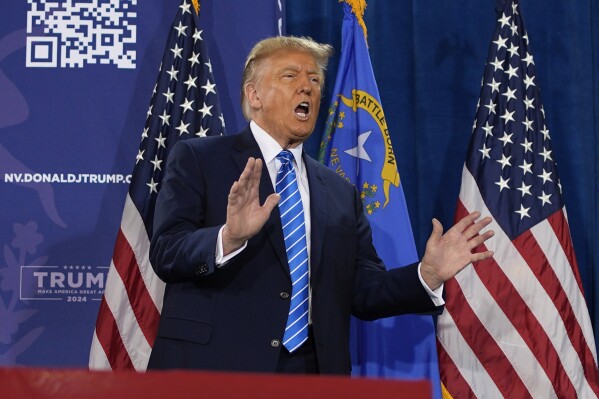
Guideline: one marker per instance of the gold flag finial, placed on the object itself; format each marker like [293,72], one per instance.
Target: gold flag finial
[196,6]
[358,7]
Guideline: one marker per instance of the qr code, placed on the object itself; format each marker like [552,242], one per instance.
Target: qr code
[73,33]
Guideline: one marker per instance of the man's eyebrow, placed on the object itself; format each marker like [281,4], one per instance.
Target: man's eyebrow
[296,68]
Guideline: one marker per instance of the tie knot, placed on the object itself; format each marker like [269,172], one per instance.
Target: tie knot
[285,157]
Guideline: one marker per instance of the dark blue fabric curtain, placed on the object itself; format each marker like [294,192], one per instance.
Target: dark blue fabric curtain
[428,58]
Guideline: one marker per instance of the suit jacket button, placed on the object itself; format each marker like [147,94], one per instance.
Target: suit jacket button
[202,269]
[284,295]
[275,343]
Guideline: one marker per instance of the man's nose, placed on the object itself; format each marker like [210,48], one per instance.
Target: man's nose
[304,85]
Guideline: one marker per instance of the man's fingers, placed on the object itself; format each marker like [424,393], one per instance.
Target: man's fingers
[233,193]
[481,256]
[245,190]
[246,175]
[478,240]
[254,182]
[466,222]
[244,181]
[271,202]
[475,228]
[437,230]
[258,165]
[248,180]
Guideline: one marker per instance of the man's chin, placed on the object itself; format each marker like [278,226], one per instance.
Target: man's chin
[306,128]
[303,135]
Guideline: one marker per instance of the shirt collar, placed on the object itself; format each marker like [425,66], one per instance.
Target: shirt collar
[269,146]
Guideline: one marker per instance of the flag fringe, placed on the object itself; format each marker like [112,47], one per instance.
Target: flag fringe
[358,7]
[196,6]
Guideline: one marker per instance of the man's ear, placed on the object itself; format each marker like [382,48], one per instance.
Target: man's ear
[251,94]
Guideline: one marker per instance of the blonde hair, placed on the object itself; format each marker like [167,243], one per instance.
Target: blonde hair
[267,47]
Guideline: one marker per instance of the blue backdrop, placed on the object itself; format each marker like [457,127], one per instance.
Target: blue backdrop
[76,79]
[69,125]
[428,58]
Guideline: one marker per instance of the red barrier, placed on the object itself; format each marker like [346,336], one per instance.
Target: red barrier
[19,383]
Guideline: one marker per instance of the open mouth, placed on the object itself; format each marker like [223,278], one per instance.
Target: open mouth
[302,110]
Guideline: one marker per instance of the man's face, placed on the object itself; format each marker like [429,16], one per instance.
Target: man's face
[286,98]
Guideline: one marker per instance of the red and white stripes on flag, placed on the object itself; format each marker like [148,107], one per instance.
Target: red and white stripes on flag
[130,308]
[517,325]
[184,104]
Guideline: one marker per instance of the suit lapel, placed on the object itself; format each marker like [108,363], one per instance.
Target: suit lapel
[318,210]
[246,146]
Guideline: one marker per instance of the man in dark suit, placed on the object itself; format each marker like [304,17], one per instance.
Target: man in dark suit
[231,301]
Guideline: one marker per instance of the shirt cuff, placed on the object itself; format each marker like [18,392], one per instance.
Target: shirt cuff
[220,259]
[435,295]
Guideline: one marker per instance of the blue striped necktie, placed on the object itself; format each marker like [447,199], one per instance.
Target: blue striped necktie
[294,231]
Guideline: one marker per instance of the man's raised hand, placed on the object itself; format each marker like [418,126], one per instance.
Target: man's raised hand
[447,254]
[245,216]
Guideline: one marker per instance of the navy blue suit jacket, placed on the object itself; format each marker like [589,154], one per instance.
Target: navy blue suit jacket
[233,317]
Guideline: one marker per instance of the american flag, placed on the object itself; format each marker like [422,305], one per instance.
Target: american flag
[516,325]
[184,104]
